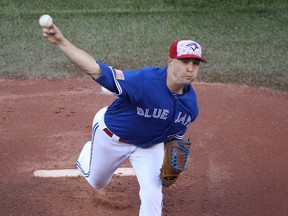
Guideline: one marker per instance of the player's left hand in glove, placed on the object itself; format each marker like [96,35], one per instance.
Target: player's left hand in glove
[175,158]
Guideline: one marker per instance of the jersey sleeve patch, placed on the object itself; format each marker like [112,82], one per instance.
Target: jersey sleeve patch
[119,75]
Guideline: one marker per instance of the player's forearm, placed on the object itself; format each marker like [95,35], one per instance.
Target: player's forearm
[80,58]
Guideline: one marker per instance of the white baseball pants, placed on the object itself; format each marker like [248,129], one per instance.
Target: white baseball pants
[101,156]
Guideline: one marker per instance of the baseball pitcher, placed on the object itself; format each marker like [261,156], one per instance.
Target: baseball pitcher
[145,124]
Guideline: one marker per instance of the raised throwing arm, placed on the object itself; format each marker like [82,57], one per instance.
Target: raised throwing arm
[78,57]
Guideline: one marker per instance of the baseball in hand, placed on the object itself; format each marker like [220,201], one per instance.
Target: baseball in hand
[45,21]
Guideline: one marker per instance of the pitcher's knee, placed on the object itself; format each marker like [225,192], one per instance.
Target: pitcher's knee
[97,184]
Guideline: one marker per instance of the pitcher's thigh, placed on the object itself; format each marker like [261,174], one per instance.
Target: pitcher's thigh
[105,157]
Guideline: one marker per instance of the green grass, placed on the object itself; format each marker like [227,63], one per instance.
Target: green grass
[244,41]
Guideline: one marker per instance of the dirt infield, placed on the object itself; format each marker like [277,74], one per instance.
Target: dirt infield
[238,165]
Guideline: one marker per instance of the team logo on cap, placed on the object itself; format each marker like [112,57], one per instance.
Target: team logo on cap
[193,46]
[188,47]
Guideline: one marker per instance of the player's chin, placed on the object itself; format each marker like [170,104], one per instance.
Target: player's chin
[188,81]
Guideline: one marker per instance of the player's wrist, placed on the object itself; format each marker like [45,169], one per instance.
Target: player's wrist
[63,43]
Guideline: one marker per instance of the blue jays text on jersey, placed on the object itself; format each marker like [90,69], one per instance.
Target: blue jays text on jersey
[146,112]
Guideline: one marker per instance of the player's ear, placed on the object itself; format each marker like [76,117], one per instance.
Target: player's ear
[169,60]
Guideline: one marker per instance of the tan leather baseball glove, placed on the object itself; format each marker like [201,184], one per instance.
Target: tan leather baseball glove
[175,158]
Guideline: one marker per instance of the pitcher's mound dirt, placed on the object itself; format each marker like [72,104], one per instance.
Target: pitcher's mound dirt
[238,164]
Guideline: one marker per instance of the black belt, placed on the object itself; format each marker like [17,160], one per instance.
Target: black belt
[110,134]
